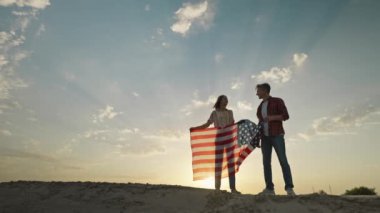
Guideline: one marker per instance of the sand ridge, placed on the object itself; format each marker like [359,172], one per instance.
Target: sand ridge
[36,196]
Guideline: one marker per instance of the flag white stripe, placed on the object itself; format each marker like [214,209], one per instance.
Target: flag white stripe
[215,131]
[213,148]
[210,140]
[213,156]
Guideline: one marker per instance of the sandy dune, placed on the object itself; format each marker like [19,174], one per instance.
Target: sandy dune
[28,196]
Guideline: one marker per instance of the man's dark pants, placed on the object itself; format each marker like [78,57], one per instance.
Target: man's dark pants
[278,143]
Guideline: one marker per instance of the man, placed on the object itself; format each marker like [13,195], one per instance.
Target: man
[271,113]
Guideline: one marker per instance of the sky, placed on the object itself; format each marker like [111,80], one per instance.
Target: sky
[107,90]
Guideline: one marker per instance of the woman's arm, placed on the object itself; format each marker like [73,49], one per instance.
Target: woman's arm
[203,126]
[232,116]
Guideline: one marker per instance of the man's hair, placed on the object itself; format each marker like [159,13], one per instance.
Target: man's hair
[264,86]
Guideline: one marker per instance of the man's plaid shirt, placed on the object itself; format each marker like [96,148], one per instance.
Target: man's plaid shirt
[276,106]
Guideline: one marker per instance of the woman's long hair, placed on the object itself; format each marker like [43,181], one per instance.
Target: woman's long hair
[217,104]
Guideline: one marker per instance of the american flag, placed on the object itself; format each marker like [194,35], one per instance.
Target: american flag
[216,151]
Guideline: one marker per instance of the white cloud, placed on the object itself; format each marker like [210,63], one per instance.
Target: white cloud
[190,14]
[66,149]
[345,123]
[244,105]
[275,74]
[40,30]
[278,75]
[160,31]
[130,141]
[147,7]
[9,40]
[167,135]
[299,59]
[71,77]
[5,132]
[24,23]
[28,155]
[158,39]
[23,19]
[20,13]
[218,58]
[8,83]
[95,134]
[32,145]
[148,143]
[306,137]
[19,56]
[57,163]
[134,147]
[37,4]
[165,44]
[236,84]
[17,41]
[5,37]
[3,61]
[258,19]
[136,94]
[107,113]
[129,131]
[33,119]
[10,105]
[10,57]
[199,103]
[196,104]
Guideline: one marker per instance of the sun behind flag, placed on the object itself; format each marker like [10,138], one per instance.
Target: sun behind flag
[220,151]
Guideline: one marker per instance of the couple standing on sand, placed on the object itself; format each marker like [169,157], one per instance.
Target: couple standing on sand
[271,112]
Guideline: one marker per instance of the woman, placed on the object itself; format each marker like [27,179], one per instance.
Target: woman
[221,117]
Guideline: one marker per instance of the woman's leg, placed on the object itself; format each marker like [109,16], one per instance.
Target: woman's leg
[218,171]
[232,181]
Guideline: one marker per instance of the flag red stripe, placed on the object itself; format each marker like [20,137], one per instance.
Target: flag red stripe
[197,137]
[219,143]
[214,152]
[210,129]
[219,160]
